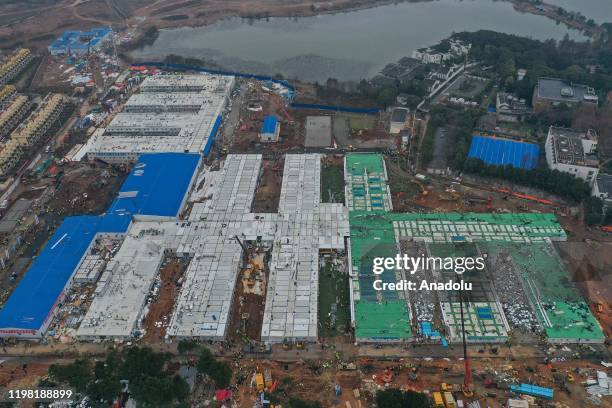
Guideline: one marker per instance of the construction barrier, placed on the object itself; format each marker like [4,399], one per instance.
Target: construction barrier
[335,108]
[185,67]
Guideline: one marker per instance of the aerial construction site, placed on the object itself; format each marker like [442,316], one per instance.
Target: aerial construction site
[244,224]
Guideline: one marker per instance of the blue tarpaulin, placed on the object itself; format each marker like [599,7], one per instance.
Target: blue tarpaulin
[501,152]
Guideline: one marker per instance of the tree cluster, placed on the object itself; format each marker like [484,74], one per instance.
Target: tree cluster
[218,371]
[149,380]
[553,181]
[394,398]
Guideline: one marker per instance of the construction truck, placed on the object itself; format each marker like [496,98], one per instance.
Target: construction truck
[449,400]
[259,381]
[267,379]
[438,402]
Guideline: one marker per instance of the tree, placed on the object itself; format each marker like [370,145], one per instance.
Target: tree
[221,374]
[295,402]
[185,346]
[77,374]
[205,361]
[394,398]
[151,384]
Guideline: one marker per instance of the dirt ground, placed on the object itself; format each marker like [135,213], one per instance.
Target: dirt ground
[246,135]
[267,194]
[309,379]
[86,189]
[16,375]
[159,311]
[249,300]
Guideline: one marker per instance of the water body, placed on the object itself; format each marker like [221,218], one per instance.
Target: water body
[347,46]
[599,10]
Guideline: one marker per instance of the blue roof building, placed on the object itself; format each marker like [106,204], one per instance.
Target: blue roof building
[270,130]
[29,309]
[501,152]
[157,185]
[80,42]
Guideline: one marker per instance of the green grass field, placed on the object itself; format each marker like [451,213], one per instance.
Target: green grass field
[332,179]
[359,122]
[333,301]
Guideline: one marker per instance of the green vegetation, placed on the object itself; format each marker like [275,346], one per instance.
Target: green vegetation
[566,59]
[361,122]
[459,123]
[401,185]
[332,181]
[553,181]
[394,398]
[595,212]
[185,346]
[151,383]
[385,94]
[219,372]
[334,309]
[295,402]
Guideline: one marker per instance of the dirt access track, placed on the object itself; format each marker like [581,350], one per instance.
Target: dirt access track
[41,21]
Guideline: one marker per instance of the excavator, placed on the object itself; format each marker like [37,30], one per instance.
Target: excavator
[254,265]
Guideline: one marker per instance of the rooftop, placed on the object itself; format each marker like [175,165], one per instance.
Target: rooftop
[269,124]
[125,284]
[604,184]
[399,115]
[30,303]
[206,83]
[172,124]
[574,147]
[72,40]
[157,185]
[318,131]
[559,90]
[161,101]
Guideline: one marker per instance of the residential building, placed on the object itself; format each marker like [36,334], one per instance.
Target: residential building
[456,48]
[573,151]
[510,108]
[6,95]
[30,131]
[14,65]
[10,117]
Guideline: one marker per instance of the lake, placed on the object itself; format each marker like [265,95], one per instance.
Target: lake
[348,45]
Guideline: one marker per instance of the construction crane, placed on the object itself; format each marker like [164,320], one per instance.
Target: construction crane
[244,248]
[467,381]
